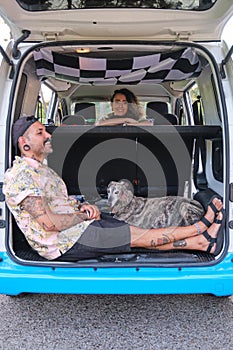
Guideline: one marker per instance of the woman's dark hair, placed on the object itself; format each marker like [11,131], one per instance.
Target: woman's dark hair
[134,110]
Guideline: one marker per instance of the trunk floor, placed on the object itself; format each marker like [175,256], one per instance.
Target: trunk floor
[138,256]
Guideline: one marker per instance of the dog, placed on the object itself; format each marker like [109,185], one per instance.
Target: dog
[151,212]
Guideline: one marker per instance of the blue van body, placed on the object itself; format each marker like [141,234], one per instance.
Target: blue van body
[216,280]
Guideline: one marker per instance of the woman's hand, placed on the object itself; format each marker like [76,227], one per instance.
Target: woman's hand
[117,121]
[129,121]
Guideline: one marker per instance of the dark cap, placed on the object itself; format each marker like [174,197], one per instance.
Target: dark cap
[20,126]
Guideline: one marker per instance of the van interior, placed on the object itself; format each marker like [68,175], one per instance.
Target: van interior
[68,87]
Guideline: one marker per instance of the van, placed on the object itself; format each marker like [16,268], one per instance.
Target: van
[62,64]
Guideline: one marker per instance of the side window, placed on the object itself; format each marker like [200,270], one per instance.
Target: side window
[198,112]
[48,108]
[179,111]
[216,97]
[102,109]
[22,88]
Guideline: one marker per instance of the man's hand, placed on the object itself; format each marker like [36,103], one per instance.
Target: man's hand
[39,210]
[92,211]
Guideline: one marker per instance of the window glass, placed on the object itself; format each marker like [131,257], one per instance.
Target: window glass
[46,5]
[198,111]
[103,109]
[43,101]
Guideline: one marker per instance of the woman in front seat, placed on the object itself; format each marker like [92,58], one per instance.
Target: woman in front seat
[126,110]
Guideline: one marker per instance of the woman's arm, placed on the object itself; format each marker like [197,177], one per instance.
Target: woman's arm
[123,121]
[111,121]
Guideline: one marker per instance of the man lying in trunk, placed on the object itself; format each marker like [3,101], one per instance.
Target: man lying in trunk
[59,228]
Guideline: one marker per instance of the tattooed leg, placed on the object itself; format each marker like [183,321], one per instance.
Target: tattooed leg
[160,237]
[198,242]
[192,243]
[180,244]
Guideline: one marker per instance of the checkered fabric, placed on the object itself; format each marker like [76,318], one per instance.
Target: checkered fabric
[171,66]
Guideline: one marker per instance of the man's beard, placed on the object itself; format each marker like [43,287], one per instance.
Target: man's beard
[48,147]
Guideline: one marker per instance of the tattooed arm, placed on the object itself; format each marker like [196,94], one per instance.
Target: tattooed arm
[38,208]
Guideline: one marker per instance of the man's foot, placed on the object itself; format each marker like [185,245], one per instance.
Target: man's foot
[213,208]
[213,236]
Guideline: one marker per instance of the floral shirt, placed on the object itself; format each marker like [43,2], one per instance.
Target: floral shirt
[29,177]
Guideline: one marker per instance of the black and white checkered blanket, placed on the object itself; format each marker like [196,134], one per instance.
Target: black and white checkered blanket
[171,66]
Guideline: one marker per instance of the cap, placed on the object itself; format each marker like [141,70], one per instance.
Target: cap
[20,126]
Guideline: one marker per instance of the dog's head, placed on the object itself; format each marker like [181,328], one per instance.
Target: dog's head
[119,195]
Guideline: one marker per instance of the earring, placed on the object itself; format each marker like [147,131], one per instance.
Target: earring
[26,147]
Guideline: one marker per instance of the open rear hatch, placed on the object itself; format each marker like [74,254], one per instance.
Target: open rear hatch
[195,20]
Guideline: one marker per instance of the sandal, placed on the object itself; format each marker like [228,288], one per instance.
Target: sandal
[205,197]
[210,239]
[217,221]
[215,210]
[212,206]
[220,235]
[206,221]
[218,240]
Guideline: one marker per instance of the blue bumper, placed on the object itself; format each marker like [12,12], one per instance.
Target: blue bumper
[16,279]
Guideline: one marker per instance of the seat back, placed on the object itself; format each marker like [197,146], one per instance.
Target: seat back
[87,110]
[165,174]
[158,111]
[169,118]
[73,120]
[154,108]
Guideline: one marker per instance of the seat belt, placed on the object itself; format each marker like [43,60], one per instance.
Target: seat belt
[199,174]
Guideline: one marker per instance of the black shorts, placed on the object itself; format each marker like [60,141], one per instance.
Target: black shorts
[105,236]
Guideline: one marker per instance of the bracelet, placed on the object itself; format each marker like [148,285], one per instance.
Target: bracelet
[198,228]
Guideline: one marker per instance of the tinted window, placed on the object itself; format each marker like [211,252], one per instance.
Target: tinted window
[44,5]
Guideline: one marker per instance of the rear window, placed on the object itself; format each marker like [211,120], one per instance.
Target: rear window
[46,5]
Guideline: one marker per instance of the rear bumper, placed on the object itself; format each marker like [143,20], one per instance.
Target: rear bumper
[16,279]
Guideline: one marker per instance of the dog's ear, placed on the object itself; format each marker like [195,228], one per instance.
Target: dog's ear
[128,185]
[111,183]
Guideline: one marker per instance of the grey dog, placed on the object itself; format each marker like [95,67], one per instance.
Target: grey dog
[151,212]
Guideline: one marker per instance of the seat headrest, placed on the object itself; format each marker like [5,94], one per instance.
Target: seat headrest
[156,106]
[158,111]
[87,109]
